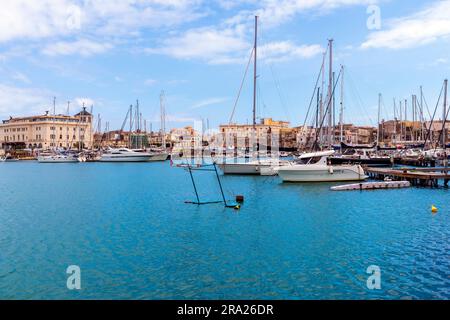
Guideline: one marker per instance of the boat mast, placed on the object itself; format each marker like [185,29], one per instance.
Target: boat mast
[163,119]
[378,121]
[414,108]
[341,114]
[321,115]
[421,115]
[330,94]
[131,126]
[400,108]
[406,119]
[395,122]
[444,118]
[255,75]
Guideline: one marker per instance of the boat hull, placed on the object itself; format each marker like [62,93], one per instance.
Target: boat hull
[321,173]
[159,157]
[119,158]
[245,168]
[53,160]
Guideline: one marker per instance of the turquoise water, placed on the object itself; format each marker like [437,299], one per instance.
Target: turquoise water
[129,230]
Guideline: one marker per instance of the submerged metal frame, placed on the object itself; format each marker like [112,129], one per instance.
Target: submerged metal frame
[198,202]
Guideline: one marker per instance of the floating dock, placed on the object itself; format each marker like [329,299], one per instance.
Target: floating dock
[372,186]
[416,176]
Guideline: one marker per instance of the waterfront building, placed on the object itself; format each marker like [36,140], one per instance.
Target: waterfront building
[268,133]
[47,131]
[395,131]
[184,138]
[351,134]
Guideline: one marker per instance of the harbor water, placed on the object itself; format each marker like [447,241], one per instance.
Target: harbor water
[128,228]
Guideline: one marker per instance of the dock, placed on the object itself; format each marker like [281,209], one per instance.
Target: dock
[372,186]
[424,177]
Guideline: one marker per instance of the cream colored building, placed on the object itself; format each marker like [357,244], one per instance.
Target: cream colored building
[47,132]
[268,129]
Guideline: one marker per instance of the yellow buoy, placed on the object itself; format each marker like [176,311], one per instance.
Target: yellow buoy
[434,209]
[237,207]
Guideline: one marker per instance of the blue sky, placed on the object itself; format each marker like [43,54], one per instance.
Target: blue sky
[111,52]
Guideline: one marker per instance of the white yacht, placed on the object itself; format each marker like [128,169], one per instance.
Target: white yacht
[125,155]
[57,158]
[8,158]
[320,171]
[250,168]
[157,154]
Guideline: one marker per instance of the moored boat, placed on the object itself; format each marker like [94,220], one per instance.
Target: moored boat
[250,168]
[57,158]
[125,155]
[320,170]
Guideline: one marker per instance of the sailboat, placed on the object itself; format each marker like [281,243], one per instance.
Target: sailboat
[251,167]
[161,154]
[318,169]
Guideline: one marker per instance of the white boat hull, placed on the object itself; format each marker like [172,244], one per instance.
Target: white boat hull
[308,173]
[159,157]
[56,160]
[249,168]
[241,168]
[120,158]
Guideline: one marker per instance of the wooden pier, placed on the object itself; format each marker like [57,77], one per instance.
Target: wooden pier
[425,177]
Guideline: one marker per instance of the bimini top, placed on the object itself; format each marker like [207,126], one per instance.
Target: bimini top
[317,154]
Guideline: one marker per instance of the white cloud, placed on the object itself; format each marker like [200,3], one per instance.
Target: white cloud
[18,76]
[287,50]
[86,102]
[208,44]
[426,26]
[22,19]
[150,82]
[229,46]
[276,12]
[81,47]
[28,19]
[209,102]
[231,41]
[16,101]
[50,20]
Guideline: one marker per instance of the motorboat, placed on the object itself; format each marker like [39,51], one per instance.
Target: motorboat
[58,158]
[8,158]
[125,155]
[158,155]
[250,168]
[361,156]
[315,167]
